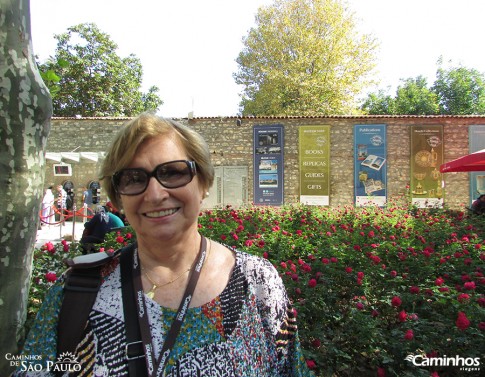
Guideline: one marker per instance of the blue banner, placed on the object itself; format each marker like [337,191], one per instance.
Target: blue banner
[370,167]
[268,165]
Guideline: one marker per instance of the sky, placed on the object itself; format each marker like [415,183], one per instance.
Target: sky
[188,48]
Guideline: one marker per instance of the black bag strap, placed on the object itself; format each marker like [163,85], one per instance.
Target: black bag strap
[80,291]
[134,347]
[81,287]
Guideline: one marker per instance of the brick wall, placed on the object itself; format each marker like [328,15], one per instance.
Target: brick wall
[231,145]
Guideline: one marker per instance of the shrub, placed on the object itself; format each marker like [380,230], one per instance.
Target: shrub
[371,286]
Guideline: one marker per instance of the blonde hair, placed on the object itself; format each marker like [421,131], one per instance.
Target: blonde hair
[144,127]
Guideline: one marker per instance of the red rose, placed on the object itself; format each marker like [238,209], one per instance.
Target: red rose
[51,277]
[409,335]
[462,322]
[402,316]
[463,297]
[312,283]
[469,285]
[396,301]
[439,281]
[414,289]
[311,364]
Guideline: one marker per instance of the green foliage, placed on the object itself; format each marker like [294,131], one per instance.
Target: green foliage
[456,91]
[88,78]
[303,57]
[460,91]
[370,285]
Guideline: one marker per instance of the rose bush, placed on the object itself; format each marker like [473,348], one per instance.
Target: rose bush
[370,285]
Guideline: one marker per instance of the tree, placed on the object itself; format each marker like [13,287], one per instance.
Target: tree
[93,79]
[460,91]
[378,103]
[25,111]
[303,57]
[414,97]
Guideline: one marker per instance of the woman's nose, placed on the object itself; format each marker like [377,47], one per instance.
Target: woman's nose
[155,191]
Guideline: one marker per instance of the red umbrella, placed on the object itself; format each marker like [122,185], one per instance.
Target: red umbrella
[471,162]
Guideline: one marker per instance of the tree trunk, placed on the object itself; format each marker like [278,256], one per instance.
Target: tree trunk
[25,112]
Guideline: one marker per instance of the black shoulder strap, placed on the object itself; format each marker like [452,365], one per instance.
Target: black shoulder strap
[134,346]
[81,287]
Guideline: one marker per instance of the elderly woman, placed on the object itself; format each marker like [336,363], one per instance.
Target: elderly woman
[197,307]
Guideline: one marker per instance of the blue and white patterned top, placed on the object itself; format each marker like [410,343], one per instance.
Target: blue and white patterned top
[248,330]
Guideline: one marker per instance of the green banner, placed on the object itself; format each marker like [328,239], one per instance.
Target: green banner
[426,157]
[314,164]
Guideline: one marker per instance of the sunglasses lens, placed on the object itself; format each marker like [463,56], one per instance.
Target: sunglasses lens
[132,181]
[174,174]
[170,175]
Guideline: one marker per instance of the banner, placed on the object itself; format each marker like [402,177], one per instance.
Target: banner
[314,165]
[268,164]
[370,167]
[426,157]
[476,142]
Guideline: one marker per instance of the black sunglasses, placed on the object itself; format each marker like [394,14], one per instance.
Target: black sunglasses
[170,174]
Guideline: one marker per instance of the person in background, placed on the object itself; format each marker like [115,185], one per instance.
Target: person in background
[114,221]
[61,202]
[478,206]
[87,197]
[95,230]
[116,212]
[203,309]
[47,210]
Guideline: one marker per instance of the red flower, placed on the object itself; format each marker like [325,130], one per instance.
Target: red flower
[265,255]
[463,297]
[409,335]
[393,273]
[51,277]
[311,364]
[312,283]
[283,265]
[396,301]
[50,247]
[462,322]
[402,316]
[414,289]
[469,285]
[381,372]
[481,326]
[348,270]
[248,243]
[316,343]
[120,239]
[439,281]
[223,237]
[359,306]
[481,302]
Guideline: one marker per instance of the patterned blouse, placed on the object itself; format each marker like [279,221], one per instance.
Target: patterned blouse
[248,330]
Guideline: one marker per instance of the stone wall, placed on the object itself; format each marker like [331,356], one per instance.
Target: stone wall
[230,142]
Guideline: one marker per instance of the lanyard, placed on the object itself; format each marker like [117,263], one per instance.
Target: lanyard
[156,367]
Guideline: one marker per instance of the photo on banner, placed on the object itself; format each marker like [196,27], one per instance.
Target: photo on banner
[268,164]
[370,166]
[426,184]
[476,137]
[314,165]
